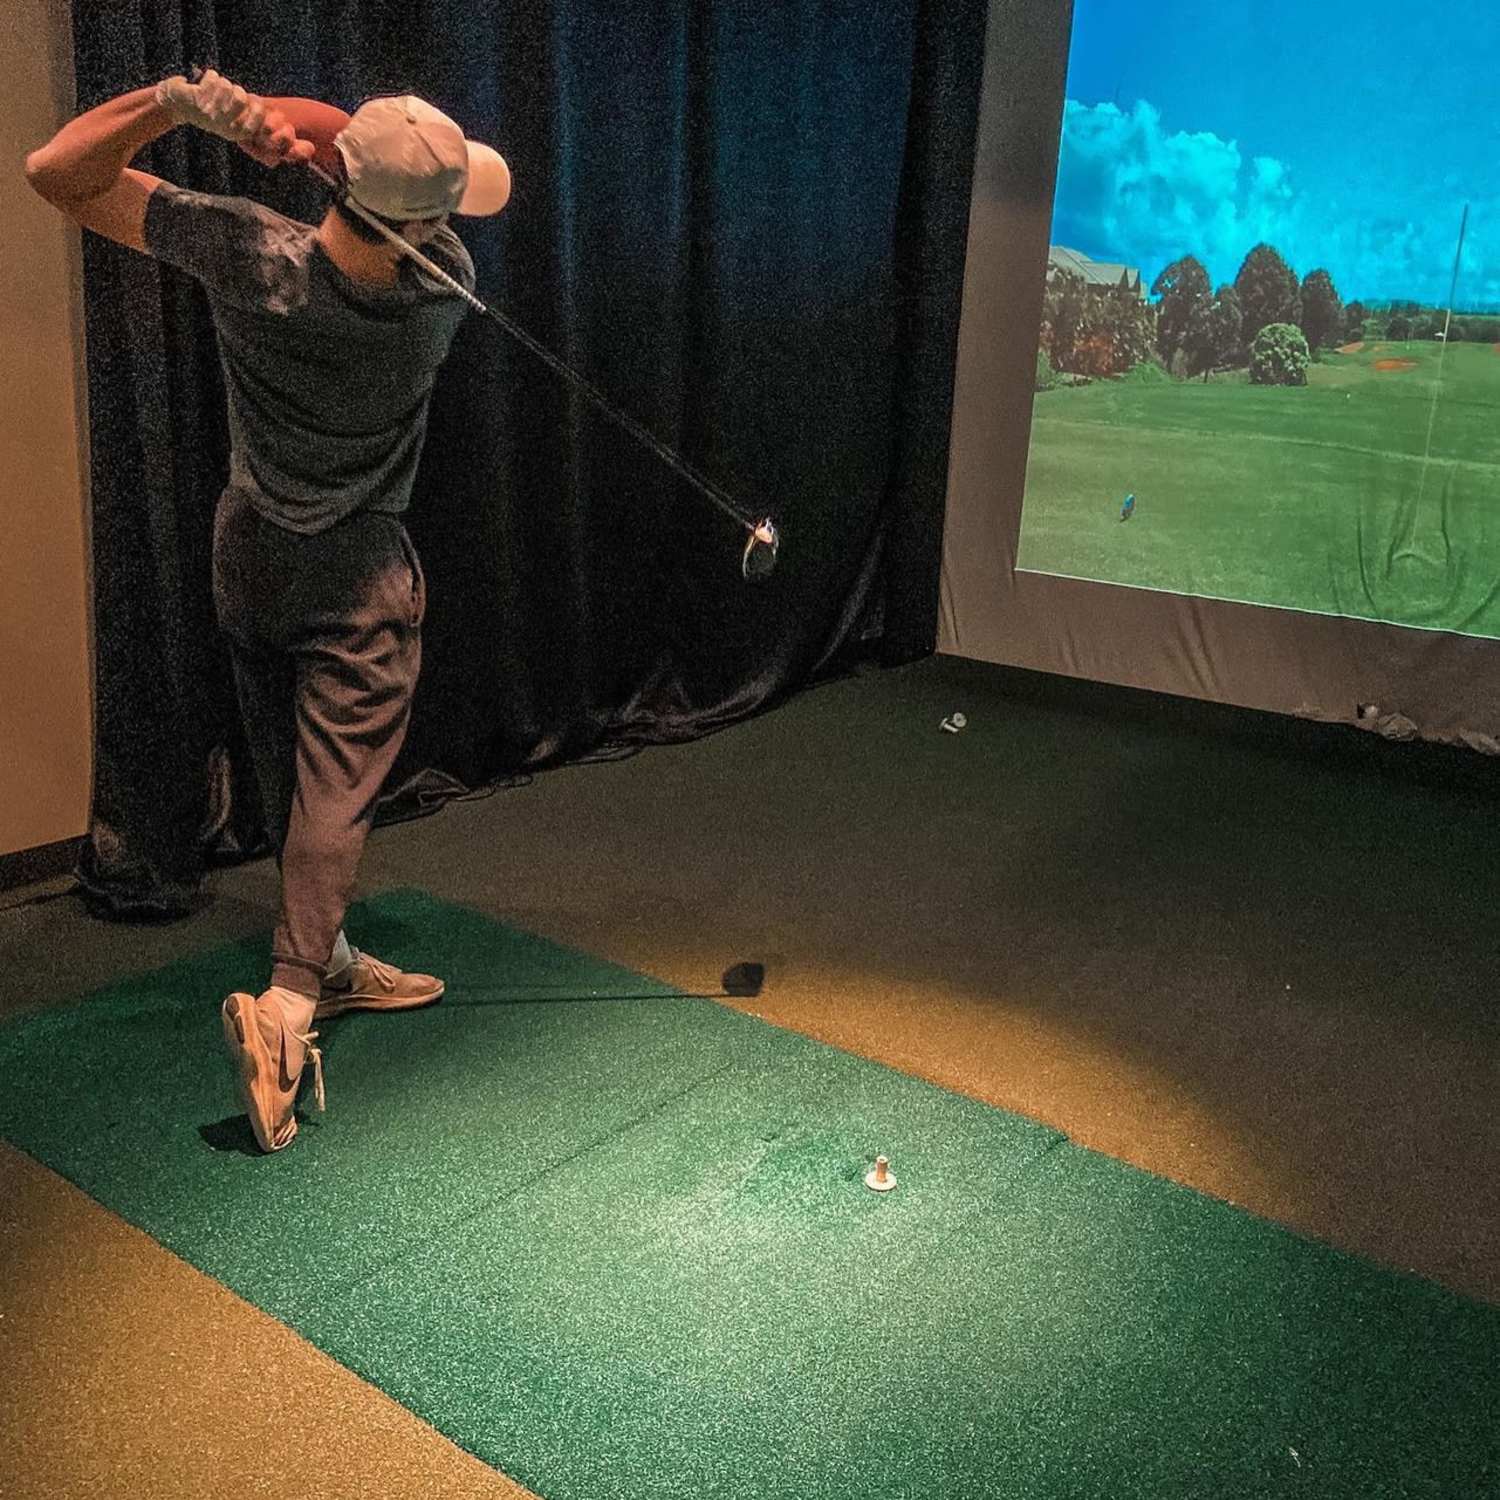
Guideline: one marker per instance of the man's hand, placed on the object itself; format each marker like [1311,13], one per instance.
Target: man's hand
[212,103]
[222,108]
[84,170]
[277,141]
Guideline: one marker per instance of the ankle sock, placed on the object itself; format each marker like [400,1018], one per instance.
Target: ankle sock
[296,1008]
[341,957]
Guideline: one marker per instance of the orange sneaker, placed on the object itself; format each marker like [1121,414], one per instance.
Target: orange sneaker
[369,984]
[270,1043]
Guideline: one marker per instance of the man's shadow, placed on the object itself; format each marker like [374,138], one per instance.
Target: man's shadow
[741,981]
[232,1133]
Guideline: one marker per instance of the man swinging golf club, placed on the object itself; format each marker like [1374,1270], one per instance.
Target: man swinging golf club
[330,340]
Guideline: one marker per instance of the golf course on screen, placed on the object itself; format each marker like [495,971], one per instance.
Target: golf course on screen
[1315,497]
[1268,358]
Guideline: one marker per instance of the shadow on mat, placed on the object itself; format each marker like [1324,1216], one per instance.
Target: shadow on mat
[742,981]
[232,1133]
[739,981]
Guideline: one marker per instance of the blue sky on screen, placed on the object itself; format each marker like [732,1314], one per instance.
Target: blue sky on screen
[1349,135]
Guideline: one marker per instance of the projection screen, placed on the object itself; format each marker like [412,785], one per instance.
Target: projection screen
[1227,402]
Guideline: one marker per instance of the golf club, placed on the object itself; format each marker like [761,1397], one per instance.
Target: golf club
[764,539]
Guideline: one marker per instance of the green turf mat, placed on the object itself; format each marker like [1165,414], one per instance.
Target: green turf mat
[614,1241]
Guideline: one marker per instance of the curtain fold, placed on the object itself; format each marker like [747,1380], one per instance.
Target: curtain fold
[744,224]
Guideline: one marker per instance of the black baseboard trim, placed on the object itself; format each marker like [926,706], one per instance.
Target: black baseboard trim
[44,862]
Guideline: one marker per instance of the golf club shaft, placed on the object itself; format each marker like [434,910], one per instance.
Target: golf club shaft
[705,486]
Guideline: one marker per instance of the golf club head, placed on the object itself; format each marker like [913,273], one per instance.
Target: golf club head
[744,980]
[759,560]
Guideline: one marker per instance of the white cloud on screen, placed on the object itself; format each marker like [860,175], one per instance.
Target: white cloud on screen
[1132,191]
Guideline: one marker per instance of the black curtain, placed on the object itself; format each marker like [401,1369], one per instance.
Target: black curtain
[745,223]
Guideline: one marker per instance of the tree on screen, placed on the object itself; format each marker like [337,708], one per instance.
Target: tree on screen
[1322,317]
[1213,333]
[1062,317]
[1183,287]
[1268,291]
[1279,356]
[1094,331]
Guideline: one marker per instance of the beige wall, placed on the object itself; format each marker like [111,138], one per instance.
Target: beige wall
[45,733]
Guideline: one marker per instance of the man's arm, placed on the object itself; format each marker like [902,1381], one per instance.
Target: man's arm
[84,169]
[312,122]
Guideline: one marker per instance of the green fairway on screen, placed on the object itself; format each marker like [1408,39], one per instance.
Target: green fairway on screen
[1269,359]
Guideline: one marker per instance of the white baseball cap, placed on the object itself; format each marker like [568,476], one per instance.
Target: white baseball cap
[404,160]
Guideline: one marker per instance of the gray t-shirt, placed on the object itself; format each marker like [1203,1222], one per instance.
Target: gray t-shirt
[328,379]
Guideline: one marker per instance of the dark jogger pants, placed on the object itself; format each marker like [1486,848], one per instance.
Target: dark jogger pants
[325,638]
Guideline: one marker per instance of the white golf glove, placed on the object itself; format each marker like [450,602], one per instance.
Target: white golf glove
[213,104]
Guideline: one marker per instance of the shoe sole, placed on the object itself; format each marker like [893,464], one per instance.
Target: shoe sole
[328,1009]
[252,1060]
